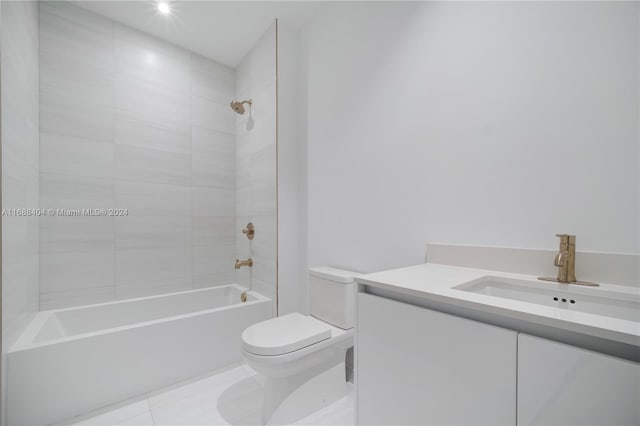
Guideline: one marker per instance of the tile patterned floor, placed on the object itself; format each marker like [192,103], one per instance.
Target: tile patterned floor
[229,397]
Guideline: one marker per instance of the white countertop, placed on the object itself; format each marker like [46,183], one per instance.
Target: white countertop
[435,282]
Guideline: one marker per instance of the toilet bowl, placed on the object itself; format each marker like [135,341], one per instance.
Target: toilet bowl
[301,358]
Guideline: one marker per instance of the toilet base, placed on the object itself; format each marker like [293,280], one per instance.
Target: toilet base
[288,399]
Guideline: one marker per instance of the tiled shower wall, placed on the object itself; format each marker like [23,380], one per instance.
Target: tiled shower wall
[132,122]
[19,170]
[256,176]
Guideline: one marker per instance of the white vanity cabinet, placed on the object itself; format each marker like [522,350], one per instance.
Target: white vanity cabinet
[560,384]
[416,366]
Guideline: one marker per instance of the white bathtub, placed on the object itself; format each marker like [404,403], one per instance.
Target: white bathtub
[72,361]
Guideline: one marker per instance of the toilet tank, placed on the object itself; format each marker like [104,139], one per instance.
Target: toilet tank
[332,294]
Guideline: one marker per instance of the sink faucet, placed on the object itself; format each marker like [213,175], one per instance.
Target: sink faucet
[566,262]
[240,263]
[566,259]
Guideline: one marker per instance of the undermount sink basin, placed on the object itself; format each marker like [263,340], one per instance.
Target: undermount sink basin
[588,300]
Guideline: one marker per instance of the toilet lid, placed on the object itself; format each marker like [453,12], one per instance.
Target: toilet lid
[284,334]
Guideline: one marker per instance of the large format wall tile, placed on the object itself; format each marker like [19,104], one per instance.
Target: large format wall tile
[214,201]
[152,199]
[83,295]
[76,72]
[63,191]
[212,81]
[76,234]
[20,292]
[265,246]
[131,122]
[140,232]
[144,289]
[145,101]
[256,165]
[213,159]
[152,165]
[68,108]
[213,266]
[153,267]
[132,132]
[75,156]
[213,260]
[135,123]
[215,280]
[20,165]
[146,58]
[88,37]
[243,184]
[208,141]
[263,182]
[214,230]
[212,115]
[71,278]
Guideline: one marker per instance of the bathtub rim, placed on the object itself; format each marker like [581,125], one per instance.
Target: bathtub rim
[25,341]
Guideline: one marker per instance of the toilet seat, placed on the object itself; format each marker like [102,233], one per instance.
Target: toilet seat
[285,334]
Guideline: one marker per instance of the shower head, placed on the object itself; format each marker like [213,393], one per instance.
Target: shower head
[238,106]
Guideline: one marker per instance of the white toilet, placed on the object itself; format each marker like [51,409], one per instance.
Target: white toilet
[302,358]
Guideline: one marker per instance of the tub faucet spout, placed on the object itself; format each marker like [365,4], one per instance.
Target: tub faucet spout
[240,263]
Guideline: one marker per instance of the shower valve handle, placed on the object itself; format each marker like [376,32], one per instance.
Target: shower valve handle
[249,231]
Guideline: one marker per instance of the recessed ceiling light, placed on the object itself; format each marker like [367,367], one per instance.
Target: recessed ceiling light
[164,8]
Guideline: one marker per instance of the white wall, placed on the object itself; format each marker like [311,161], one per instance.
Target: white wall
[256,166]
[133,122]
[20,121]
[494,124]
[289,181]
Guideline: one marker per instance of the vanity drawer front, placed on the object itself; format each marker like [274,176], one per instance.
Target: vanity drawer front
[560,384]
[416,366]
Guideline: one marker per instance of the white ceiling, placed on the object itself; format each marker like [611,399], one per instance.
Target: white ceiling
[223,31]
